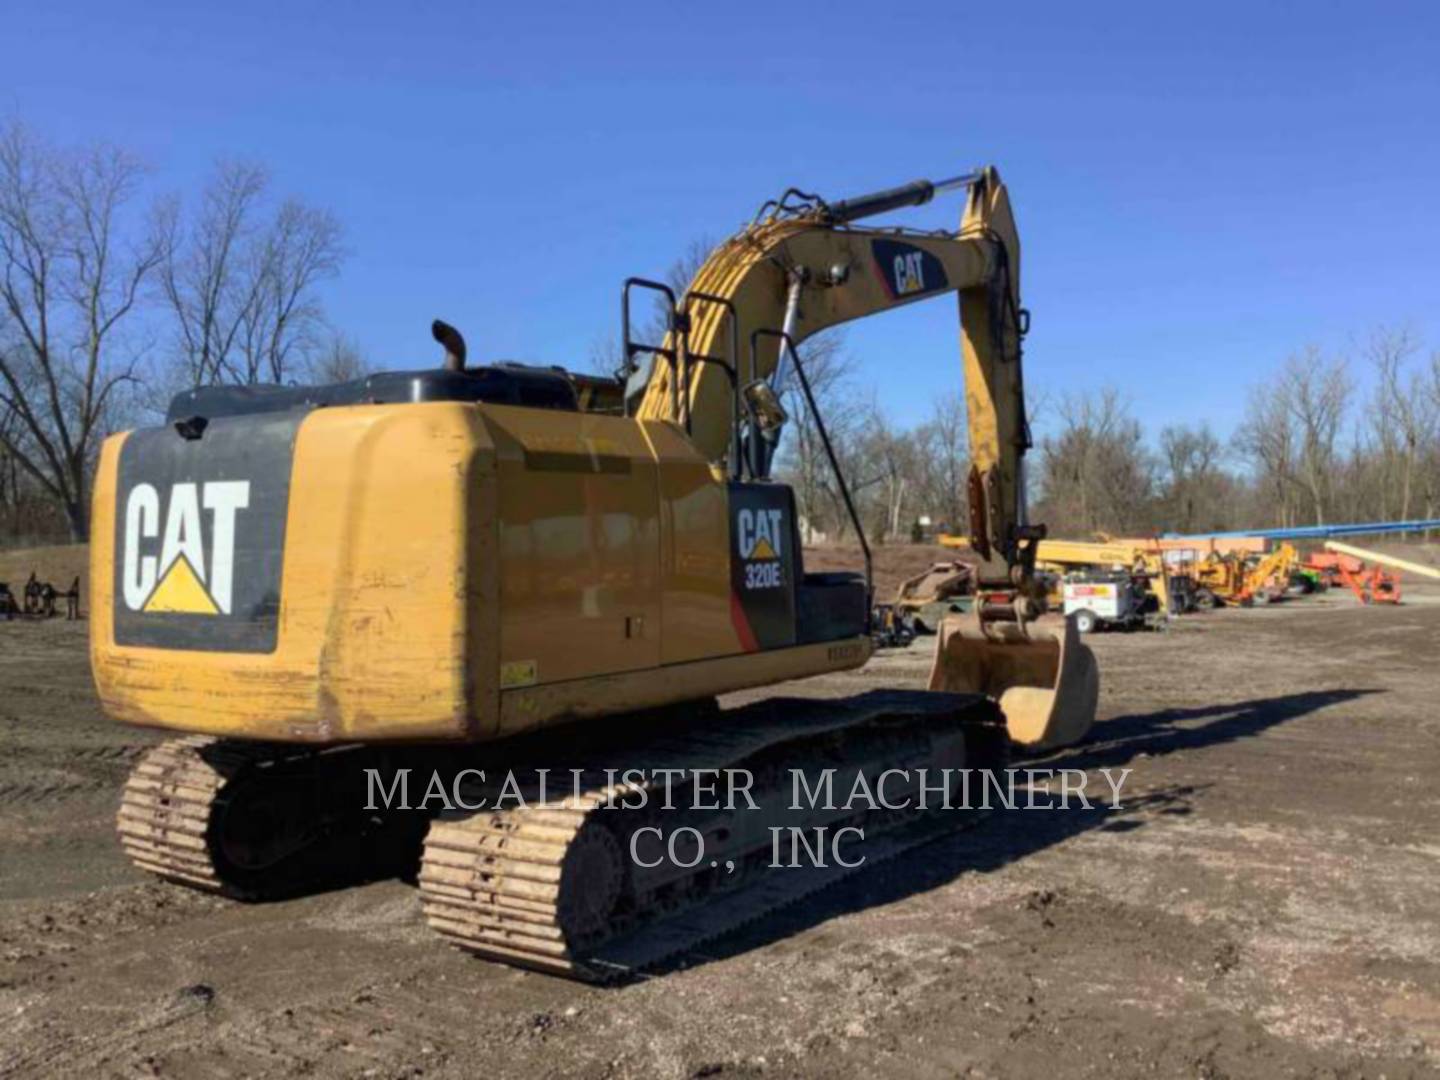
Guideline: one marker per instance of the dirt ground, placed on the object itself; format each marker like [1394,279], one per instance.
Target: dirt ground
[1265,904]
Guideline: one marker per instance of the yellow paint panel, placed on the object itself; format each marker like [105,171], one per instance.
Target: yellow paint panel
[624,691]
[428,544]
[180,591]
[694,551]
[578,508]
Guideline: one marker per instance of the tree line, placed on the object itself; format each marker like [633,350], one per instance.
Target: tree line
[113,295]
[1312,447]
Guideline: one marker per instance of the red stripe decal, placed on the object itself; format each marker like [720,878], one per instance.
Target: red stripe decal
[742,625]
[884,281]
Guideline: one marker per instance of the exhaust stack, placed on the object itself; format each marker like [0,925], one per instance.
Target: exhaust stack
[454,343]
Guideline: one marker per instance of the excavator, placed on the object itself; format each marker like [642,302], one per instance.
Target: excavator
[499,574]
[1232,578]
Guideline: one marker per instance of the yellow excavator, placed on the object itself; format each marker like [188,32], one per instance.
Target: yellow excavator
[1233,578]
[494,576]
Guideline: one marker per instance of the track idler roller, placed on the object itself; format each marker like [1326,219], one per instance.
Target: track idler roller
[1045,681]
[592,878]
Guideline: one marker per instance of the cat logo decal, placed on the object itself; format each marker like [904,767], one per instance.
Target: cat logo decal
[179,549]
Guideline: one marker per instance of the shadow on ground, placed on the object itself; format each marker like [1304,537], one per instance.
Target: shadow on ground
[1114,742]
[989,843]
[1006,836]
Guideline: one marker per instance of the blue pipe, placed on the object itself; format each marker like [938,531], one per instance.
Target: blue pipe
[1302,532]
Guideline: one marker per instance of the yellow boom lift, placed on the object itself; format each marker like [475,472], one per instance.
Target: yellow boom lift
[506,569]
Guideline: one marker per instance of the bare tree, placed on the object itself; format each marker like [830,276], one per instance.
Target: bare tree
[886,487]
[340,360]
[1403,415]
[1291,433]
[73,260]
[1431,472]
[1267,439]
[241,280]
[802,457]
[681,273]
[944,462]
[1096,474]
[605,356]
[1193,479]
[203,275]
[11,491]
[1316,392]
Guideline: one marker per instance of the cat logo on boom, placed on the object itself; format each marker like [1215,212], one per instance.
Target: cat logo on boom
[906,270]
[909,273]
[759,535]
[192,571]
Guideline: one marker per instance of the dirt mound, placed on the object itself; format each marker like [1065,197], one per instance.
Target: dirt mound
[893,563]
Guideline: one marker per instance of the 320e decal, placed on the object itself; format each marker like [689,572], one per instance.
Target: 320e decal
[762,565]
[759,534]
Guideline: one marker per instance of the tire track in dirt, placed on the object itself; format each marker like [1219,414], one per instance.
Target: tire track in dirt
[38,793]
[98,921]
[66,773]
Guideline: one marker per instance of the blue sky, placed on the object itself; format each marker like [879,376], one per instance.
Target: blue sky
[1200,189]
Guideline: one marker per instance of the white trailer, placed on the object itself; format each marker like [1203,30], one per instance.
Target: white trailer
[1101,602]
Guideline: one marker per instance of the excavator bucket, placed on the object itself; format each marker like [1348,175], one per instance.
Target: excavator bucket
[1046,682]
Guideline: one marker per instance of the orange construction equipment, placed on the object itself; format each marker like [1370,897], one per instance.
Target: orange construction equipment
[1329,566]
[1373,585]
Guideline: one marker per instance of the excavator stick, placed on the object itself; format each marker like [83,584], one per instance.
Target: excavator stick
[1045,681]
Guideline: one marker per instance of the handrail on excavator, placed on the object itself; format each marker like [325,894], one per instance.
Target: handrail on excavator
[730,367]
[829,451]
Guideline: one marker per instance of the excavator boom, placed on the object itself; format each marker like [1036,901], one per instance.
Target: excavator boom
[804,266]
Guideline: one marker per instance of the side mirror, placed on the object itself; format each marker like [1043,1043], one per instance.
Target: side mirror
[770,416]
